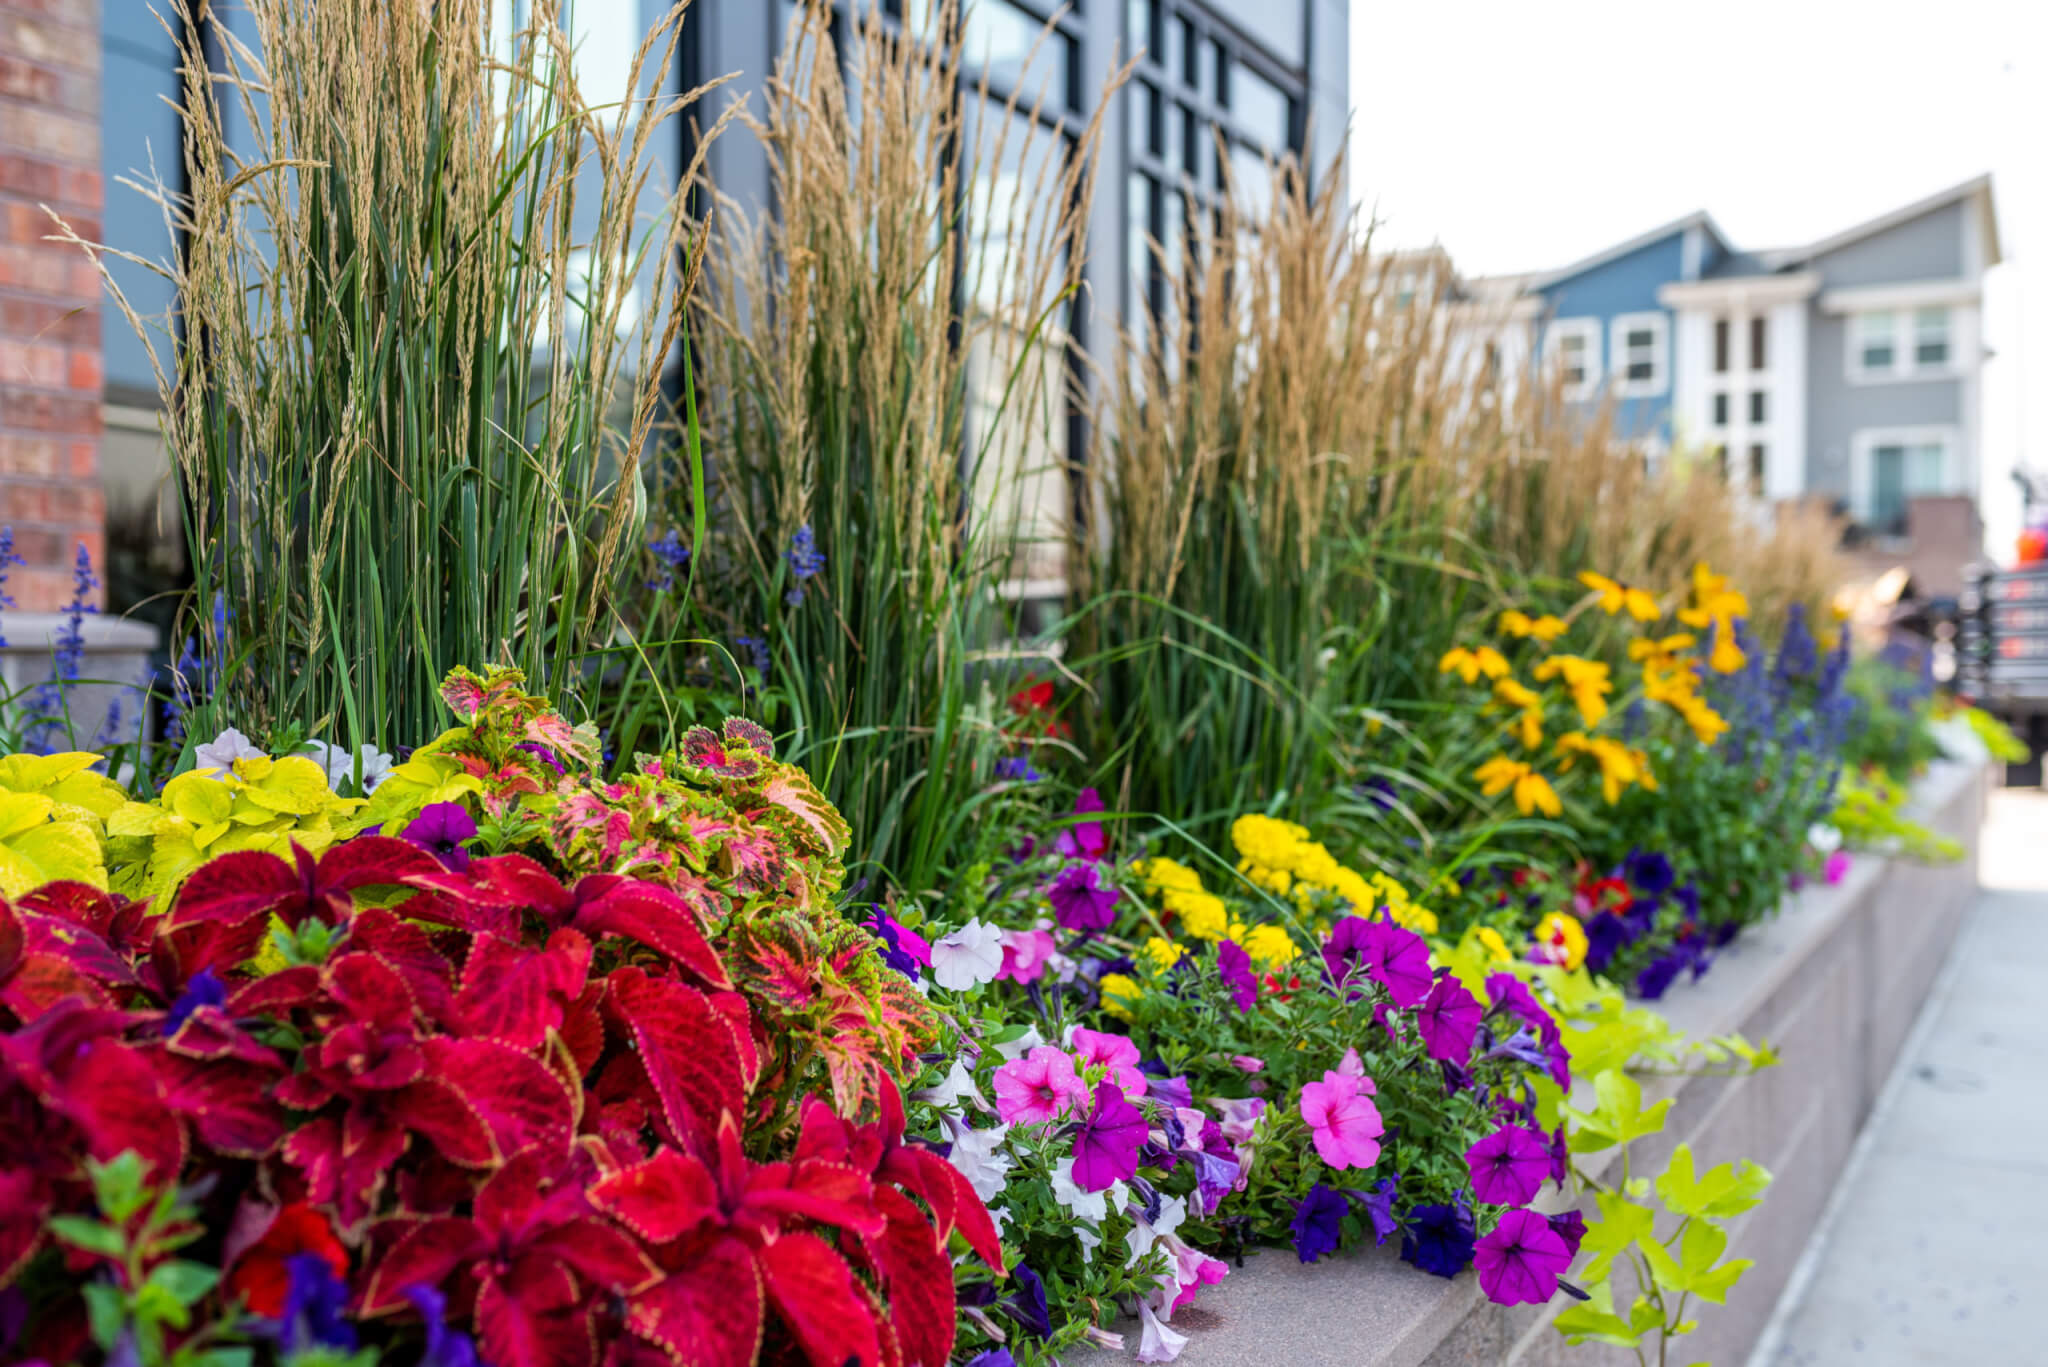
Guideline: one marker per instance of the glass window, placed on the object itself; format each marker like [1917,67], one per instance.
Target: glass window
[1152,120]
[1259,108]
[1758,329]
[1640,348]
[1017,55]
[1720,410]
[1930,337]
[604,37]
[1757,405]
[1720,346]
[1191,139]
[1251,180]
[1190,54]
[1275,25]
[1571,355]
[1138,197]
[1756,468]
[1875,347]
[1142,17]
[1899,473]
[1012,204]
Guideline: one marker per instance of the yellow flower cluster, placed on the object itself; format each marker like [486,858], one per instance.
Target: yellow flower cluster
[1279,855]
[1470,664]
[1586,680]
[1716,605]
[1620,765]
[1520,624]
[1532,791]
[1180,893]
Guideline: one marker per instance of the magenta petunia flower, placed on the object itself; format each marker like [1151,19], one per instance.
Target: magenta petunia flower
[1106,1147]
[1025,953]
[1837,867]
[1396,959]
[1084,839]
[1509,1166]
[1234,966]
[1342,1120]
[1521,1260]
[1039,1087]
[1094,1048]
[1448,1020]
[1080,901]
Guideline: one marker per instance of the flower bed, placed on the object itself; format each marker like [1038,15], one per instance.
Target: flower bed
[1835,981]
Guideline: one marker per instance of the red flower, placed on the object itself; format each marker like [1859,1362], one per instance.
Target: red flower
[1033,702]
[263,1274]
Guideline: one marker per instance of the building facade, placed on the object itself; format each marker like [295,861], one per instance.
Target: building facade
[84,87]
[1845,370]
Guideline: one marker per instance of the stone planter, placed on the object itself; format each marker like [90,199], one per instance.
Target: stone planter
[1834,982]
[115,667]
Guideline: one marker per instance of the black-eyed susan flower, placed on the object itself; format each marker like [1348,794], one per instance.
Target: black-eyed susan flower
[1532,792]
[1470,664]
[1586,680]
[1520,624]
[1616,596]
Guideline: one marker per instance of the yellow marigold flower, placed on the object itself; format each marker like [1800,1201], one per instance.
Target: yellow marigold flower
[1273,880]
[1616,596]
[1270,947]
[1561,940]
[1496,948]
[1164,954]
[1261,839]
[1163,873]
[1389,887]
[1421,920]
[1353,889]
[1470,664]
[1532,791]
[1120,992]
[1202,914]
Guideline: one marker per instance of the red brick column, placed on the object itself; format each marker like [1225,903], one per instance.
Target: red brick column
[50,372]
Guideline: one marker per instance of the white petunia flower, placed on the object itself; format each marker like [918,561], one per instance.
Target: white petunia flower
[957,1083]
[220,753]
[968,957]
[1824,838]
[979,1157]
[1144,1233]
[340,765]
[1022,1045]
[1157,1343]
[1085,1205]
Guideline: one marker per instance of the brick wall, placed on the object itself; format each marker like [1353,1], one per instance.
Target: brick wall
[50,372]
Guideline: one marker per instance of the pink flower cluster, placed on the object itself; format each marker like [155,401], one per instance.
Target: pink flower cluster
[1047,1083]
[1342,1120]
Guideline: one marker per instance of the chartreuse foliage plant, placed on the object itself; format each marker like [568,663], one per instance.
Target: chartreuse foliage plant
[53,820]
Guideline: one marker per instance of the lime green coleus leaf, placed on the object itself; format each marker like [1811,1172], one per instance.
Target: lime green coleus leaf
[1699,1251]
[1594,1320]
[1721,1192]
[1621,1224]
[1619,1118]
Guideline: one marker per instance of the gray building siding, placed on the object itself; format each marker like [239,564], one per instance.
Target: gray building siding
[1929,247]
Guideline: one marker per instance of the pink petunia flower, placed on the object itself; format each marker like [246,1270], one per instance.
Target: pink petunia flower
[1095,1049]
[1038,1087]
[1346,1125]
[1521,1260]
[1025,953]
[1837,867]
[1247,1063]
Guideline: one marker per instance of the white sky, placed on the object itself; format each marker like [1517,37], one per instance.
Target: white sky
[1524,136]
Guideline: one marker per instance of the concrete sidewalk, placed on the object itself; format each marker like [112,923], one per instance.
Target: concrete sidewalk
[1932,1246]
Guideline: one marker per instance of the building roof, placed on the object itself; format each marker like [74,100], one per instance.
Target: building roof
[1699,218]
[1975,187]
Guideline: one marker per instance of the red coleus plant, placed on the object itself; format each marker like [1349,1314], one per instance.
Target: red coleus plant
[552,1103]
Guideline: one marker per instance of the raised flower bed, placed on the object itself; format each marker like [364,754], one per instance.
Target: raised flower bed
[1834,983]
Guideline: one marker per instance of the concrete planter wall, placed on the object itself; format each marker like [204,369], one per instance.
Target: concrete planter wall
[1834,982]
[106,704]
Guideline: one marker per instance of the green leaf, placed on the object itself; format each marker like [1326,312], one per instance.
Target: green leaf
[1670,1276]
[90,1235]
[106,1311]
[1622,1222]
[1723,1191]
[188,1282]
[1593,1320]
[1619,1118]
[117,1186]
[1701,1247]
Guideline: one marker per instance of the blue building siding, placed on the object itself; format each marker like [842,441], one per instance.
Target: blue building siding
[1627,284]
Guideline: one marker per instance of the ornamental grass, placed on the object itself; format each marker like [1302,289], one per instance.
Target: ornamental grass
[426,302]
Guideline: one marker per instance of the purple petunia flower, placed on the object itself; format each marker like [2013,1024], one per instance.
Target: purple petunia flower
[1520,1261]
[204,989]
[902,948]
[1080,901]
[1084,840]
[1571,1228]
[1509,1166]
[1606,933]
[1319,1223]
[446,1347]
[1107,1142]
[1448,1020]
[314,1304]
[1655,980]
[1560,1157]
[1378,1205]
[1650,871]
[1395,958]
[992,1357]
[1438,1238]
[1215,1176]
[1017,769]
[1234,966]
[440,829]
[1028,1306]
[544,754]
